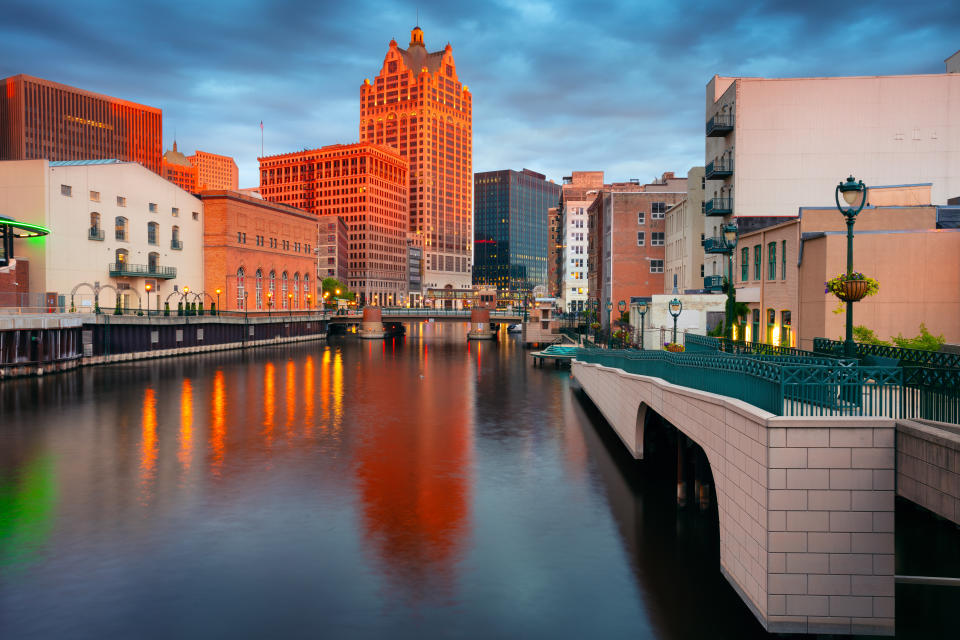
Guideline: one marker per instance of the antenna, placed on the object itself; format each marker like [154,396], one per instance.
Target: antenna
[418,17]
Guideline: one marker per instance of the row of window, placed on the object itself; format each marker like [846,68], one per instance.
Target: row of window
[656,238]
[781,334]
[290,292]
[297,247]
[758,262]
[121,231]
[67,190]
[657,211]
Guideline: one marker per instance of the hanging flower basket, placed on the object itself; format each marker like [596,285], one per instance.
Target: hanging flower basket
[852,288]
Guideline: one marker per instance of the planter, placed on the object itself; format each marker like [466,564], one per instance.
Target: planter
[853,290]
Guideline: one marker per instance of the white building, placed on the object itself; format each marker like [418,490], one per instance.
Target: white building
[574,292]
[684,229]
[115,226]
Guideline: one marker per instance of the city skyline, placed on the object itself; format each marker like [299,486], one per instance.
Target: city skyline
[539,104]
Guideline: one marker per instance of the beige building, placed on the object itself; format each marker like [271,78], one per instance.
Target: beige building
[684,224]
[113,225]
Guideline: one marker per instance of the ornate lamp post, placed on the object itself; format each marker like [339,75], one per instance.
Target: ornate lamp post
[218,300]
[290,304]
[675,307]
[642,309]
[730,241]
[148,287]
[853,192]
[269,303]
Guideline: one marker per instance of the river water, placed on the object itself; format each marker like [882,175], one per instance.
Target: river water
[415,487]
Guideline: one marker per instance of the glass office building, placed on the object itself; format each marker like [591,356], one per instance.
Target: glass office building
[511,228]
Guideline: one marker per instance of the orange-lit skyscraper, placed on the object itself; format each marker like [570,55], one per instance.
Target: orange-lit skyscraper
[215,172]
[42,119]
[178,170]
[366,185]
[417,105]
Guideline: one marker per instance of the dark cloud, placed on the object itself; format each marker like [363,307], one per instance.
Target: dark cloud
[557,85]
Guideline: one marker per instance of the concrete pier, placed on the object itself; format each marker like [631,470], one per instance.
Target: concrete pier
[480,325]
[371,328]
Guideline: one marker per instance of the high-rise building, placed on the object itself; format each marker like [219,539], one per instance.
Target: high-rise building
[510,228]
[40,119]
[366,185]
[417,105]
[333,252]
[214,171]
[576,194]
[177,169]
[554,251]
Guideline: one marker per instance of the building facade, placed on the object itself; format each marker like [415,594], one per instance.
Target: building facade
[177,169]
[258,254]
[40,119]
[415,264]
[510,228]
[684,248]
[115,228]
[576,194]
[215,171]
[417,105]
[366,185]
[333,252]
[554,252]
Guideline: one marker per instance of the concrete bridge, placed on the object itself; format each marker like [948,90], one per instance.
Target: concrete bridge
[401,314]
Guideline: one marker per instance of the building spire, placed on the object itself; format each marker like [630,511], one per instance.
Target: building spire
[416,36]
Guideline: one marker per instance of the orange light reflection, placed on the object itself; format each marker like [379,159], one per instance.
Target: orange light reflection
[186,424]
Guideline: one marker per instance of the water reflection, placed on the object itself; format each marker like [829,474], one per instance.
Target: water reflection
[148,440]
[218,423]
[186,425]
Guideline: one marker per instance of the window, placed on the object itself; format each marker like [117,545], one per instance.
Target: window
[94,196]
[755,317]
[656,239]
[121,201]
[66,190]
[641,218]
[283,289]
[241,237]
[656,266]
[772,257]
[196,215]
[701,271]
[241,291]
[175,211]
[657,209]
[745,264]
[153,262]
[120,258]
[175,238]
[259,285]
[96,233]
[786,329]
[641,238]
[783,262]
[306,287]
[152,229]
[152,207]
[273,287]
[756,262]
[296,290]
[120,226]
[771,326]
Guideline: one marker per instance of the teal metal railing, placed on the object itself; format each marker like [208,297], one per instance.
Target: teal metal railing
[904,357]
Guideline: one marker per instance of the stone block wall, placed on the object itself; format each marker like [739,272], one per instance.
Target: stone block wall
[928,466]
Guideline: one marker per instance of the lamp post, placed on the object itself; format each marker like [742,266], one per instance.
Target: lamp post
[730,241]
[621,307]
[148,287]
[853,190]
[675,307]
[290,304]
[269,303]
[642,309]
[186,301]
[218,300]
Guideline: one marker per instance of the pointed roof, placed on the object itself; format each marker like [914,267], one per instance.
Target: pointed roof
[172,156]
[417,57]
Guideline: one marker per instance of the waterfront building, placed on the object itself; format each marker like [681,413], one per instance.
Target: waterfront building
[333,253]
[900,239]
[510,228]
[40,119]
[177,169]
[576,194]
[418,105]
[215,171]
[684,245]
[258,254]
[626,240]
[415,269]
[366,184]
[554,251]
[115,226]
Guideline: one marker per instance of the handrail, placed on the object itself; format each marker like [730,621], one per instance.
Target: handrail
[904,357]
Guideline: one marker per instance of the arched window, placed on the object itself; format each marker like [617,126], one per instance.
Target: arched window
[96,233]
[175,238]
[153,262]
[241,289]
[153,230]
[283,291]
[306,288]
[120,228]
[296,291]
[259,301]
[271,294]
[121,258]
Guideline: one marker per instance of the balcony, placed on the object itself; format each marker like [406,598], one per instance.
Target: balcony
[719,169]
[718,207]
[720,125]
[715,245]
[95,233]
[176,244]
[713,283]
[126,270]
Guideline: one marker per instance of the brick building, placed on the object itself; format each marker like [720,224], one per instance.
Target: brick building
[257,253]
[40,119]
[576,194]
[418,105]
[215,172]
[333,254]
[366,185]
[177,169]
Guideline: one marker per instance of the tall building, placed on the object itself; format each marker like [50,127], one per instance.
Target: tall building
[686,241]
[177,169]
[576,194]
[40,119]
[366,185]
[333,248]
[215,171]
[510,233]
[417,105]
[554,251]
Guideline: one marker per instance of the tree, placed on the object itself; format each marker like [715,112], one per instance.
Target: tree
[331,286]
[925,341]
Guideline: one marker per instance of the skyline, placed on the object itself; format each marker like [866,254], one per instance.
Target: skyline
[537,103]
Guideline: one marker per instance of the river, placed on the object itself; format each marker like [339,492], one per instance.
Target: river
[414,487]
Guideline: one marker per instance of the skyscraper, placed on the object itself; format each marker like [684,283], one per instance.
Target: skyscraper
[417,105]
[214,171]
[511,228]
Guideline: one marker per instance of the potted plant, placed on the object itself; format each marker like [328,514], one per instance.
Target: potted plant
[853,287]
[673,346]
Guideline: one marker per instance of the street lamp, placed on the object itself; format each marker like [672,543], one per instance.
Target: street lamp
[186,301]
[853,190]
[148,287]
[269,303]
[642,309]
[730,241]
[675,307]
[290,304]
[218,300]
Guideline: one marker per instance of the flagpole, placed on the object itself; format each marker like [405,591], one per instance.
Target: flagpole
[261,138]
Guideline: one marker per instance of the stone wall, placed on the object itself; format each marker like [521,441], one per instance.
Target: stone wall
[928,466]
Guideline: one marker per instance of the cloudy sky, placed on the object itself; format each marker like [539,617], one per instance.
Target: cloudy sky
[557,86]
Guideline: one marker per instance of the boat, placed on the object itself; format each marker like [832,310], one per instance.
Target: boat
[515,328]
